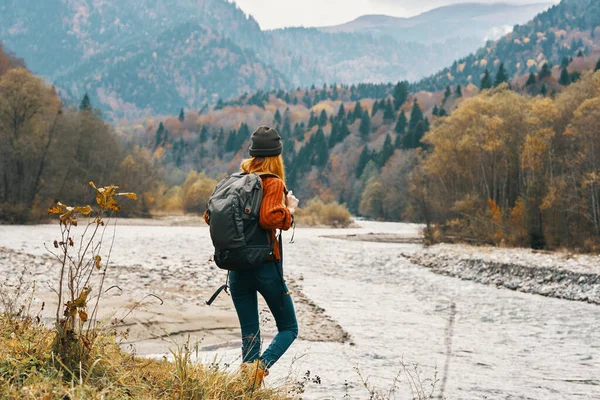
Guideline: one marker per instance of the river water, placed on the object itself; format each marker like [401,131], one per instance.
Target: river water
[505,344]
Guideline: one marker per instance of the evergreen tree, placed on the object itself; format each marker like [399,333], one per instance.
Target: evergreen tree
[388,111]
[544,91]
[501,76]
[231,139]
[416,116]
[565,62]
[342,112]
[401,124]
[531,80]
[363,160]
[400,95]
[386,152]
[597,66]
[334,92]
[435,110]
[546,72]
[181,115]
[344,131]
[298,133]
[442,112]
[375,108]
[580,53]
[365,126]
[287,98]
[159,134]
[320,148]
[323,118]
[286,130]
[486,81]
[334,135]
[203,134]
[277,117]
[219,105]
[358,112]
[447,94]
[312,120]
[564,79]
[307,100]
[85,105]
[458,92]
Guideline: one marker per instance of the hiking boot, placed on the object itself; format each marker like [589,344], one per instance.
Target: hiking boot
[254,373]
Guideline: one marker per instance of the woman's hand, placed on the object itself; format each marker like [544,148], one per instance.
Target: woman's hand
[291,202]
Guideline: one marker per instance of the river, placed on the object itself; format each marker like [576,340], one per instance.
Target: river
[505,344]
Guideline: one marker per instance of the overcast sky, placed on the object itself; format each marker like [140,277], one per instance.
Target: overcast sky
[272,14]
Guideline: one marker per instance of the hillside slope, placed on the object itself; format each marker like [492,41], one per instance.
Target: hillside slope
[569,29]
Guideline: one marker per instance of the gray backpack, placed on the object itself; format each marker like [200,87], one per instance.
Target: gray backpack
[233,210]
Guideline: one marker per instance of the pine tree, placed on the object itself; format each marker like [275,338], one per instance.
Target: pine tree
[546,72]
[501,76]
[323,118]
[458,92]
[334,135]
[442,112]
[447,94]
[219,105]
[544,91]
[597,66]
[342,112]
[580,53]
[321,149]
[531,80]
[565,62]
[203,134]
[159,134]
[277,117]
[416,116]
[401,124]
[375,108]
[388,111]
[344,130]
[358,111]
[220,137]
[181,115]
[435,110]
[386,152]
[365,126]
[486,81]
[298,133]
[363,160]
[312,120]
[564,79]
[287,98]
[400,95]
[85,103]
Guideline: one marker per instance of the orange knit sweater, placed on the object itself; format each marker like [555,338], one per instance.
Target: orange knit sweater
[273,212]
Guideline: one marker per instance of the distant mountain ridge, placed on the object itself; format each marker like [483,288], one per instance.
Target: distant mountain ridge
[156,56]
[461,20]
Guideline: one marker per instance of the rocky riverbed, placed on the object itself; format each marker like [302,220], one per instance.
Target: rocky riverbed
[553,274]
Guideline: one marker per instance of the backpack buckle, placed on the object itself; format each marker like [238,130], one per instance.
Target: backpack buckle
[247,211]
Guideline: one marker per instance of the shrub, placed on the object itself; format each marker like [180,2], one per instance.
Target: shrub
[317,212]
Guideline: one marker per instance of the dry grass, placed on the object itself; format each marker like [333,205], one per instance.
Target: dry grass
[318,213]
[29,369]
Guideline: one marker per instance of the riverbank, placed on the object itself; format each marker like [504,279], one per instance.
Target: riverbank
[552,274]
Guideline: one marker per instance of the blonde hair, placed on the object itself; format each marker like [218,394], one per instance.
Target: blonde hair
[268,165]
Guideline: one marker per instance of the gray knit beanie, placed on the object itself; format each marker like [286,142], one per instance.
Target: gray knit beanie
[266,142]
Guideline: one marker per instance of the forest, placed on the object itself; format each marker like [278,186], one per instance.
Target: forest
[511,161]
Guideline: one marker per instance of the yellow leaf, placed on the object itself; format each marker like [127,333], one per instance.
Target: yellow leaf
[83,316]
[130,195]
[98,259]
[81,301]
[57,209]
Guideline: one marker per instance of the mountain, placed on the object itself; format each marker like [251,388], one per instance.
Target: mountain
[457,21]
[568,30]
[144,57]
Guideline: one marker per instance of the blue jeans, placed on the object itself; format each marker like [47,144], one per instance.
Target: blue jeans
[267,279]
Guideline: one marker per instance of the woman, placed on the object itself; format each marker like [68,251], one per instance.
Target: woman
[276,212]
